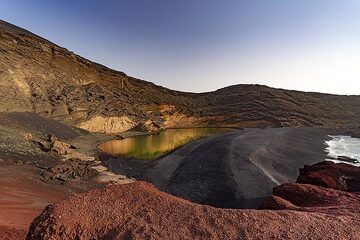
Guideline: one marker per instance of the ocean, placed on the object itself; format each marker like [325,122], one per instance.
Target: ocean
[344,149]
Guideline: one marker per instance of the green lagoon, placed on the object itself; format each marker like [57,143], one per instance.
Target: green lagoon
[152,146]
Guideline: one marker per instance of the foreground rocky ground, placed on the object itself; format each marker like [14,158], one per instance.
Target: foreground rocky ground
[140,211]
[23,195]
[37,170]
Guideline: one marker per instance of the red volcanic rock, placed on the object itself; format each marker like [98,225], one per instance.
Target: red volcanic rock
[277,203]
[140,211]
[318,189]
[328,174]
[306,195]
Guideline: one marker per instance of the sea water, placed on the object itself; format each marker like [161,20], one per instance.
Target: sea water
[344,146]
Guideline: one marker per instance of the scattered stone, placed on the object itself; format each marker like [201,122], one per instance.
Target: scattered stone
[148,126]
[120,137]
[28,136]
[60,148]
[69,170]
[52,144]
[65,150]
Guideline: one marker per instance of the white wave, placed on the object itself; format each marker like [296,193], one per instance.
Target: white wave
[343,146]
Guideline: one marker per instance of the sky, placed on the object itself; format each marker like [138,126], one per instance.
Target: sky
[203,45]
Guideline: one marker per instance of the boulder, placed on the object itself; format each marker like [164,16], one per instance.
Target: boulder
[277,203]
[328,174]
[52,144]
[322,185]
[69,170]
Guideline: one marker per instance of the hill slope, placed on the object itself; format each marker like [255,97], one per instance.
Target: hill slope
[39,76]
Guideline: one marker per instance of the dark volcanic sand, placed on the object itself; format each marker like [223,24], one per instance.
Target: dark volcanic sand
[232,170]
[33,122]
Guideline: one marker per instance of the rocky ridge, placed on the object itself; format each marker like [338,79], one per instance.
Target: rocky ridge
[39,76]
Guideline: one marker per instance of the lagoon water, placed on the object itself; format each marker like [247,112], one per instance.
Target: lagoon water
[344,146]
[153,146]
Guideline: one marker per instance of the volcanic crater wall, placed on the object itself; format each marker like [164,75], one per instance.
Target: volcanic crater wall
[39,76]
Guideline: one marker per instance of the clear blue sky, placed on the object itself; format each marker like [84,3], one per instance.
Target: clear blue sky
[202,45]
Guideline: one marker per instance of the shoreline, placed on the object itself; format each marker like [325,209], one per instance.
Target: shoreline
[232,170]
[139,134]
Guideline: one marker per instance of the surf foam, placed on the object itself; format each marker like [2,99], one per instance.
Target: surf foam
[344,146]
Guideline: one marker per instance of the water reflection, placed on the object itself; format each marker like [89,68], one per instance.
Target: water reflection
[153,146]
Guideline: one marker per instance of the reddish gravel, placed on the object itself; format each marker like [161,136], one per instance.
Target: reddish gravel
[23,195]
[10,233]
[140,211]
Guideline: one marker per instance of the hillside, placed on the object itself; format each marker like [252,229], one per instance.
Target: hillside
[39,76]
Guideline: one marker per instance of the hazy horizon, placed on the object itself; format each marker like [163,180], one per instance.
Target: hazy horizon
[200,46]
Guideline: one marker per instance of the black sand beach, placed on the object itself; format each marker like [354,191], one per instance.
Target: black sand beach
[232,170]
